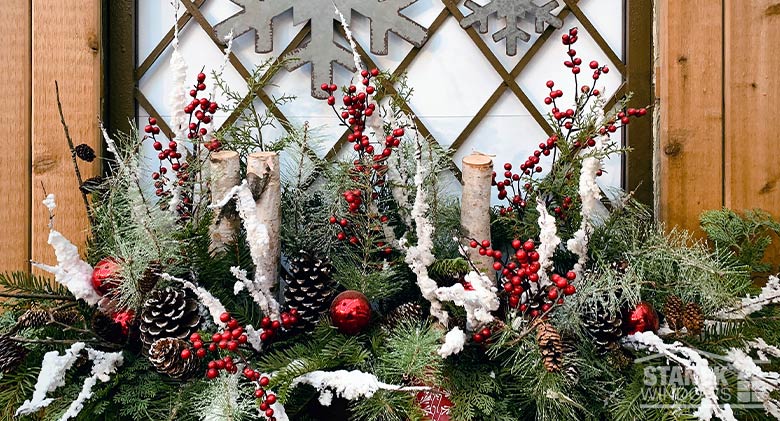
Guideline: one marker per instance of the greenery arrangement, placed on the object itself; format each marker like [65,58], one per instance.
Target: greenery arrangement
[384,309]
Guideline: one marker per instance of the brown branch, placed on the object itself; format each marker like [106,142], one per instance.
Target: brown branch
[37,296]
[72,153]
[50,341]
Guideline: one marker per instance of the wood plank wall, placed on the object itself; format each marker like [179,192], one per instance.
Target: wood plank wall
[46,41]
[718,83]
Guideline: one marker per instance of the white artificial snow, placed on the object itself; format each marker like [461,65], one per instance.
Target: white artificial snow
[349,385]
[421,256]
[548,241]
[696,368]
[257,237]
[350,38]
[71,272]
[105,363]
[770,294]
[253,337]
[760,382]
[590,194]
[763,348]
[52,375]
[209,301]
[453,342]
[326,398]
[478,303]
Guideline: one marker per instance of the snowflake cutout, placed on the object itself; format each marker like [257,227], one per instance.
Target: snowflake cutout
[321,50]
[513,11]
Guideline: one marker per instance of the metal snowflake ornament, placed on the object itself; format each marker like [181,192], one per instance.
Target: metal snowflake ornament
[321,50]
[514,12]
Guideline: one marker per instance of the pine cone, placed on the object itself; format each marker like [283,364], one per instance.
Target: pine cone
[165,356]
[33,318]
[93,185]
[68,317]
[539,299]
[570,369]
[693,319]
[673,311]
[11,354]
[550,346]
[85,152]
[402,313]
[309,288]
[168,313]
[106,328]
[150,278]
[620,359]
[604,327]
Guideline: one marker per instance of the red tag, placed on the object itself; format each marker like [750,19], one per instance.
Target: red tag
[435,404]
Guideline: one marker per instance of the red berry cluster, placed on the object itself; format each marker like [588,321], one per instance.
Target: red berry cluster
[267,399]
[170,155]
[271,327]
[201,112]
[482,336]
[520,270]
[370,167]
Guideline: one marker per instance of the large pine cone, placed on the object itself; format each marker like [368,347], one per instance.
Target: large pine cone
[165,356]
[34,317]
[604,327]
[673,311]
[693,319]
[309,287]
[402,313]
[11,354]
[550,346]
[168,313]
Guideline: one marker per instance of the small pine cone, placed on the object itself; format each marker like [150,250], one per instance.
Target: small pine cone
[165,356]
[68,317]
[106,328]
[550,346]
[11,354]
[85,152]
[693,319]
[150,278]
[570,369]
[605,328]
[673,311]
[402,313]
[169,313]
[620,359]
[32,318]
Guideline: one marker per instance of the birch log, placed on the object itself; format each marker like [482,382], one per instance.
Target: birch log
[225,174]
[263,177]
[475,206]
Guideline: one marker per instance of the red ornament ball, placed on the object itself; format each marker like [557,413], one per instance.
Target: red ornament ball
[105,275]
[642,318]
[350,312]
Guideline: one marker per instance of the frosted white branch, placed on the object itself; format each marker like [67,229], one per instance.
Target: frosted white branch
[349,385]
[590,194]
[105,364]
[696,367]
[178,83]
[257,237]
[770,294]
[478,302]
[52,375]
[253,337]
[350,38]
[453,343]
[548,241]
[70,271]
[760,382]
[209,301]
[421,256]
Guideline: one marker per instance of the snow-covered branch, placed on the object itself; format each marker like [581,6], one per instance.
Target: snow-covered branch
[479,301]
[209,301]
[770,294]
[548,241]
[349,385]
[454,341]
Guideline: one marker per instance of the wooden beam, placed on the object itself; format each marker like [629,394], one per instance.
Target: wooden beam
[691,91]
[66,47]
[752,143]
[16,33]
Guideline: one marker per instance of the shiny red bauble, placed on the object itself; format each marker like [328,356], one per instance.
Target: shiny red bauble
[642,318]
[350,312]
[105,276]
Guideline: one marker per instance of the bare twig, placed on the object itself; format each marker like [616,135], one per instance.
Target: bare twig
[72,153]
[37,296]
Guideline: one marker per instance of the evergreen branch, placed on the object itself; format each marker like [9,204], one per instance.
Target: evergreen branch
[37,296]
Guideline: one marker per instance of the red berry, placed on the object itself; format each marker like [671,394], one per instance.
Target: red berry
[224,318]
[485,243]
[550,84]
[264,381]
[398,132]
[571,275]
[569,290]
[594,64]
[201,77]
[186,354]
[269,412]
